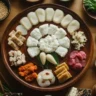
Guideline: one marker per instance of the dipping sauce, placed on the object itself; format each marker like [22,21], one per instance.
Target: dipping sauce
[3,10]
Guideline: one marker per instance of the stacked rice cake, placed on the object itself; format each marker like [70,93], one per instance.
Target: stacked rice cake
[62,72]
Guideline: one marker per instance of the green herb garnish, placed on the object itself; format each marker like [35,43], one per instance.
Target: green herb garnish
[55,57]
[90,5]
[39,62]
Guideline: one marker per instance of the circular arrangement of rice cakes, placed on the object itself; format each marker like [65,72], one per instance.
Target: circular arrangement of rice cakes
[48,47]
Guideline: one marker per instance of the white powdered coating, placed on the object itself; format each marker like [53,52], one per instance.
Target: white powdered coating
[48,44]
[52,29]
[46,76]
[26,23]
[36,33]
[33,18]
[58,15]
[40,14]
[73,26]
[64,42]
[61,51]
[21,29]
[60,33]
[31,42]
[49,14]
[33,51]
[66,20]
[44,29]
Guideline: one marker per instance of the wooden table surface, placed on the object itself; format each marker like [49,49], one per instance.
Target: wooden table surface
[87,80]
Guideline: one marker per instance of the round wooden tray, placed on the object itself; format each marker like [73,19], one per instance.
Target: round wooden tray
[13,71]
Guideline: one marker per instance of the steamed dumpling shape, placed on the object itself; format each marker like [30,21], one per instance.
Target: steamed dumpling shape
[33,51]
[40,14]
[45,78]
[52,29]
[59,14]
[44,29]
[43,58]
[73,26]
[32,42]
[51,59]
[60,33]
[66,20]
[36,34]
[33,18]
[49,14]
[64,42]
[26,23]
[21,29]
[61,51]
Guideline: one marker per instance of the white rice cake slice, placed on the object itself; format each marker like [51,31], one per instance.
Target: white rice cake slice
[26,23]
[61,51]
[73,26]
[40,14]
[58,16]
[52,29]
[44,29]
[21,29]
[64,42]
[60,33]
[31,42]
[33,18]
[33,51]
[49,14]
[66,20]
[73,92]
[36,33]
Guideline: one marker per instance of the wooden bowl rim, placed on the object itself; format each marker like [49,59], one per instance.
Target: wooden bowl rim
[8,7]
[56,88]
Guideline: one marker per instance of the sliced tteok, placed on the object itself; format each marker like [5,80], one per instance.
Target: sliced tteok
[36,34]
[33,18]
[49,14]
[52,29]
[59,14]
[61,51]
[73,26]
[26,23]
[40,14]
[21,29]
[33,51]
[32,42]
[60,33]
[64,42]
[66,20]
[44,29]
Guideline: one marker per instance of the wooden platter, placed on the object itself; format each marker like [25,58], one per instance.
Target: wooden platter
[14,71]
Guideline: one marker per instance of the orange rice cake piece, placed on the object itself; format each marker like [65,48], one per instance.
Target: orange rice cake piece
[65,76]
